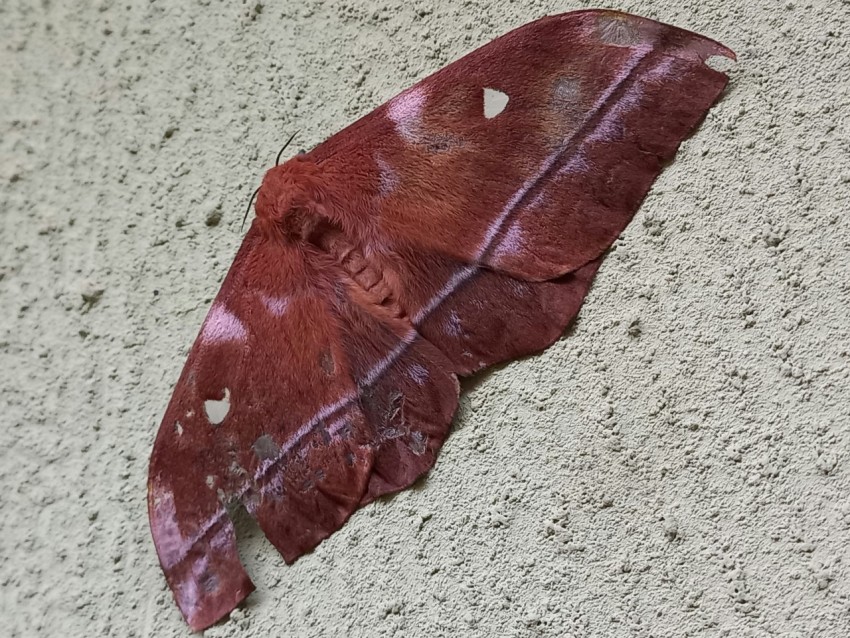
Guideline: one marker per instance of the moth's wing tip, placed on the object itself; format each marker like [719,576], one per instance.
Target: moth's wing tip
[706,48]
[624,29]
[199,619]
[202,568]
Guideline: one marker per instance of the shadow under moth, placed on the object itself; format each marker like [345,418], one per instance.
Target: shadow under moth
[457,226]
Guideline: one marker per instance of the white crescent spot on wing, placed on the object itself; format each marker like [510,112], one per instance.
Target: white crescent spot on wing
[170,542]
[389,176]
[405,111]
[276,305]
[221,326]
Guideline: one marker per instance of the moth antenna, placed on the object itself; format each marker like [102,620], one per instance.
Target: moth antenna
[288,142]
[247,210]
[276,163]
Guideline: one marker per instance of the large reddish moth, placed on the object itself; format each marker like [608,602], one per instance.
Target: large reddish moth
[457,226]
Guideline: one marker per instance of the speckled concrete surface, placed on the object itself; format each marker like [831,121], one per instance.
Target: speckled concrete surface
[676,466]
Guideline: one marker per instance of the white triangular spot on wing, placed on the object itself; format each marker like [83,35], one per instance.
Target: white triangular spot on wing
[217,410]
[494,102]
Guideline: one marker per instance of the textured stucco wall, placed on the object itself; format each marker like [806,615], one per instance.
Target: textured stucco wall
[678,466]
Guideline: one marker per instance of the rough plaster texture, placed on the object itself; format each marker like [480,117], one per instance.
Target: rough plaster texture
[679,465]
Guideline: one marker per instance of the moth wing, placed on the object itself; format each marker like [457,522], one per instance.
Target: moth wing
[297,401]
[520,163]
[532,153]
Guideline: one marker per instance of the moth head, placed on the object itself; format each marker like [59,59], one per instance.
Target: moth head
[293,202]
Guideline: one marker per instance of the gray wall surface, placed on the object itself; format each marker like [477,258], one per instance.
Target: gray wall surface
[678,465]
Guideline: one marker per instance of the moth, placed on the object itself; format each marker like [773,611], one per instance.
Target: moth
[457,226]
